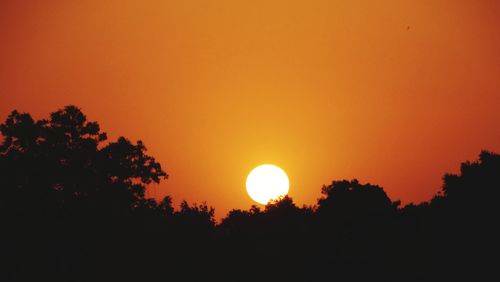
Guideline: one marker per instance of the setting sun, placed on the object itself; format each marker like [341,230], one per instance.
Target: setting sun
[267,182]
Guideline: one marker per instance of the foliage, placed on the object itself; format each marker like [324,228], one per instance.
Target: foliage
[63,162]
[73,208]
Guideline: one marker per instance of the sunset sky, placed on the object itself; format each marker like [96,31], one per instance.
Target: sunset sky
[394,93]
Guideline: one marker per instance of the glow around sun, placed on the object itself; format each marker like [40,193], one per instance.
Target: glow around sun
[267,182]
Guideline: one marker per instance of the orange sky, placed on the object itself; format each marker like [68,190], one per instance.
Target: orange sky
[391,92]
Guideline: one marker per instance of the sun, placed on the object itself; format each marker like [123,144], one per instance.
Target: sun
[267,182]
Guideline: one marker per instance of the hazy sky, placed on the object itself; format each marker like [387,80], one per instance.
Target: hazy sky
[391,92]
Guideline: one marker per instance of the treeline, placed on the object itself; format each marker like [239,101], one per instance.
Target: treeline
[73,208]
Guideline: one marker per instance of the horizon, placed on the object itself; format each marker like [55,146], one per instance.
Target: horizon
[391,93]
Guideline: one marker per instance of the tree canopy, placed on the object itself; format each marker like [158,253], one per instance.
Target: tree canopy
[73,208]
[67,160]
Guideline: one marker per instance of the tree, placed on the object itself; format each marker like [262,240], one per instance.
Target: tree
[463,218]
[476,187]
[65,162]
[196,218]
[349,200]
[64,189]
[73,207]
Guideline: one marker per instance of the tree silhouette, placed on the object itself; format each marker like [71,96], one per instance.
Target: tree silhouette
[64,162]
[199,218]
[350,199]
[73,208]
[65,190]
[357,220]
[477,186]
[462,217]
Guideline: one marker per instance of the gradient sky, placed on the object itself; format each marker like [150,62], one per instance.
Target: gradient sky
[391,92]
